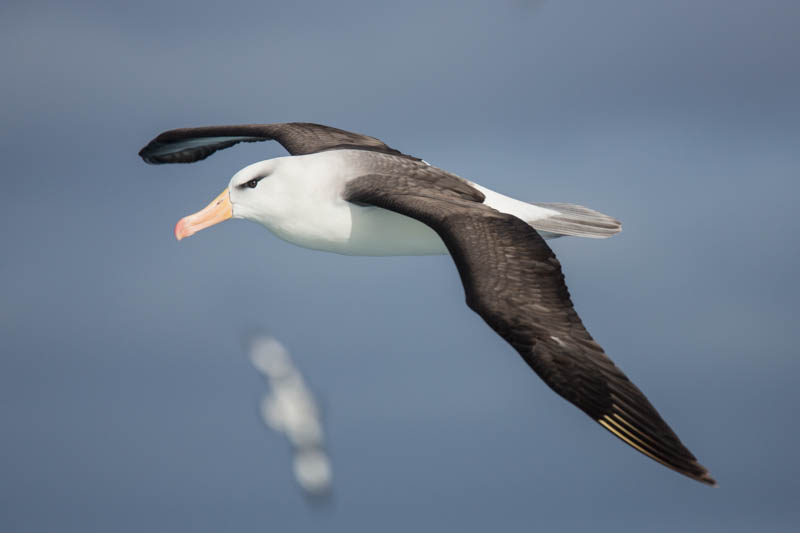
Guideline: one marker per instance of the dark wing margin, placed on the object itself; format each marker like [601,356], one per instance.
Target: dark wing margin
[187,145]
[514,282]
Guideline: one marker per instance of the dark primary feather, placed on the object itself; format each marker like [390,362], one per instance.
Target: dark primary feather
[514,282]
[187,145]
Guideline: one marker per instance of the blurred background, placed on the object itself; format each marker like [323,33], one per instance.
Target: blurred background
[127,398]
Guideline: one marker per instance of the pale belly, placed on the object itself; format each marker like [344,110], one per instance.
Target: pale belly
[351,229]
[376,231]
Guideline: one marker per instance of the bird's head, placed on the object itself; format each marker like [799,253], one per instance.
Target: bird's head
[253,193]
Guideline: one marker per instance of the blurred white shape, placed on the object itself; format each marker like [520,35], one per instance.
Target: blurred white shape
[270,357]
[312,469]
[290,408]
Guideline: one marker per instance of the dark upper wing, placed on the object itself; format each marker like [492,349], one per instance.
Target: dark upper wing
[187,145]
[514,282]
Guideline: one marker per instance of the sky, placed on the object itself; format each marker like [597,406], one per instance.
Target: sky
[127,399]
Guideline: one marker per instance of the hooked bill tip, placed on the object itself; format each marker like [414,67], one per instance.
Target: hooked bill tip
[218,210]
[181,229]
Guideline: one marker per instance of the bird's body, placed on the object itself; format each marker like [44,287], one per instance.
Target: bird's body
[304,205]
[351,194]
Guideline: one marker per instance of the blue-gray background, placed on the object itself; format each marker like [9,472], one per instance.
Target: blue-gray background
[127,402]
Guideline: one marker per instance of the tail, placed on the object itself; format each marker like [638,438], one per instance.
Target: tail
[575,220]
[553,220]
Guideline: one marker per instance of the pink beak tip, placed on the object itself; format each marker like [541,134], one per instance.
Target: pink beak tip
[180,232]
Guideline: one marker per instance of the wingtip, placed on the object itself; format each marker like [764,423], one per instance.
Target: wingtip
[707,479]
[701,474]
[698,473]
[691,469]
[144,153]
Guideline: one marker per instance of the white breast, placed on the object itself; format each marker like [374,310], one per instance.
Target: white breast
[303,205]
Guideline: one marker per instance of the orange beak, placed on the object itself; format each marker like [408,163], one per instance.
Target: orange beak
[218,210]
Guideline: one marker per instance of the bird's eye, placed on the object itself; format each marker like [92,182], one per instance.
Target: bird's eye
[252,183]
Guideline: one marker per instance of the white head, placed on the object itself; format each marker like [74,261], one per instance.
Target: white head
[256,193]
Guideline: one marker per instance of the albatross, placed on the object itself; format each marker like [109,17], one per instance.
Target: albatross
[352,194]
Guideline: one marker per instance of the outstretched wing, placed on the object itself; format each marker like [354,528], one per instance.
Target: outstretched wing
[187,145]
[514,282]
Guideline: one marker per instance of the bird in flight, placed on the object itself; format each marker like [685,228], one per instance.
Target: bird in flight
[352,194]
